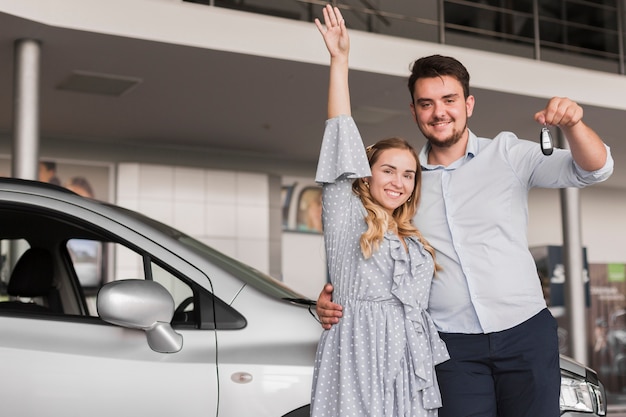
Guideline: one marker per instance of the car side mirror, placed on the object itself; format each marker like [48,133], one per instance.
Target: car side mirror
[141,304]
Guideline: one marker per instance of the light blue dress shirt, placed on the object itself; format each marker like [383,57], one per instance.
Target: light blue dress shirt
[474,212]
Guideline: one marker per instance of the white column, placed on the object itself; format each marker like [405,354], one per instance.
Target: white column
[573,261]
[26,109]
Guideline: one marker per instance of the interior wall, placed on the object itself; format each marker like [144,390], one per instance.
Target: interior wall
[228,210]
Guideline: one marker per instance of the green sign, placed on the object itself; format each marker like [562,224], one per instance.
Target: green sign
[616,272]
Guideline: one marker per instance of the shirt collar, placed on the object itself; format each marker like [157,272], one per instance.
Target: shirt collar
[470,151]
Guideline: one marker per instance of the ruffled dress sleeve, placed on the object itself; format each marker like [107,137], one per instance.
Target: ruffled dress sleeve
[342,160]
[342,155]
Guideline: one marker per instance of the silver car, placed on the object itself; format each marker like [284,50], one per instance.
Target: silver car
[106,312]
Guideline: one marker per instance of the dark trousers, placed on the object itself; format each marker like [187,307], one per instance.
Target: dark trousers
[512,373]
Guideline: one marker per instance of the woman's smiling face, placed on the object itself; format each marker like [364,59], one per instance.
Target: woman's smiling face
[393,178]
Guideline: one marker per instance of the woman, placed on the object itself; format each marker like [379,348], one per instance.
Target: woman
[379,359]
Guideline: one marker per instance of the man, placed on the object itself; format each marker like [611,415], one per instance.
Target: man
[487,301]
[48,172]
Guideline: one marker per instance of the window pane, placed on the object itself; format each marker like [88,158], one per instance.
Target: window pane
[180,291]
[10,252]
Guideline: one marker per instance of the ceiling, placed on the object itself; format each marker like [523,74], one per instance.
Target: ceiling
[207,99]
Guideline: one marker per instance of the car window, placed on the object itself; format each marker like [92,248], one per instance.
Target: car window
[60,272]
[180,291]
[96,263]
[10,251]
[88,259]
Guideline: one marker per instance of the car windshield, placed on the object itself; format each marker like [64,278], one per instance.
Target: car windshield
[246,273]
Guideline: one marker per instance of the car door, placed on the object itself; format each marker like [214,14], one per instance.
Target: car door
[69,362]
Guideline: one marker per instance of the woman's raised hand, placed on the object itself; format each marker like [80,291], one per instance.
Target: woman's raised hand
[334,32]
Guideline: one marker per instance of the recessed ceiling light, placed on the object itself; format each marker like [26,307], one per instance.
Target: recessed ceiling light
[97,83]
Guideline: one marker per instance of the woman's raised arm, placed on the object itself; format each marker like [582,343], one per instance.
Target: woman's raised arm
[337,42]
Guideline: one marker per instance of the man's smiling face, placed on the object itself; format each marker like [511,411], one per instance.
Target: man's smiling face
[441,111]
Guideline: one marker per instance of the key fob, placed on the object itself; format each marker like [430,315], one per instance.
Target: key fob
[545,140]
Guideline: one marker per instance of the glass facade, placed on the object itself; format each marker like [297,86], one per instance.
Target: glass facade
[584,33]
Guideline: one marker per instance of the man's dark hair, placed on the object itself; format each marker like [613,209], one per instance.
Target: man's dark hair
[438,66]
[50,165]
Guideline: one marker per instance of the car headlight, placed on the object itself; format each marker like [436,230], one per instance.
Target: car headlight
[581,396]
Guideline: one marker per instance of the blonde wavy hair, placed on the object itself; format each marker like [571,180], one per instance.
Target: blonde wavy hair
[378,219]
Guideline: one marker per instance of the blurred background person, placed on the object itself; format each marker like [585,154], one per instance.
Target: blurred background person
[81,186]
[48,172]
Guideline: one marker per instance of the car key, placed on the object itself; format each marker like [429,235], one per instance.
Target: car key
[545,140]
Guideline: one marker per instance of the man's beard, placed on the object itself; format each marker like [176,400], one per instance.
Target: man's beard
[448,142]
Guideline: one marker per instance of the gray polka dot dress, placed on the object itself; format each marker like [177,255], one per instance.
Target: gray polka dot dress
[379,360]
